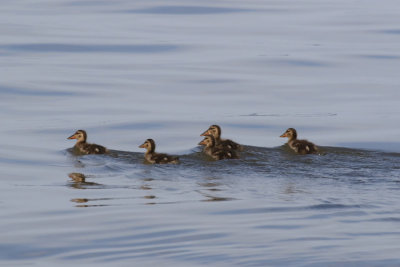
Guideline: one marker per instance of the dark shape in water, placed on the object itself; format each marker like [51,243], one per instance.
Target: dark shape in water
[90,48]
[33,92]
[391,31]
[188,10]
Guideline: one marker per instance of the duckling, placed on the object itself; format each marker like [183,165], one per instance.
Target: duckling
[153,157]
[86,148]
[215,131]
[216,152]
[299,146]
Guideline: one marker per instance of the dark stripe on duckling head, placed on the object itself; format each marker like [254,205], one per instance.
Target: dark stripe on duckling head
[80,135]
[290,133]
[152,145]
[217,128]
[208,141]
[293,133]
[83,132]
[211,140]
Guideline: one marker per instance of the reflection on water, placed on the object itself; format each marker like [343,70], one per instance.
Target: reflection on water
[77,177]
[215,198]
[292,188]
[85,200]
[79,182]
[211,189]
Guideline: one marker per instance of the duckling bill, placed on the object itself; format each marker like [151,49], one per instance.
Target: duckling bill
[299,146]
[85,148]
[216,152]
[215,130]
[152,157]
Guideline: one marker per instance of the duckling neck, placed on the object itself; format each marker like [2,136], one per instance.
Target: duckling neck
[209,149]
[150,150]
[80,142]
[292,139]
[210,146]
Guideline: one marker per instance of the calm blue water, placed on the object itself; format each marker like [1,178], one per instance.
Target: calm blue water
[127,71]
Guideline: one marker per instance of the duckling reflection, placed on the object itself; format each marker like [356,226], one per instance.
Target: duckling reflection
[299,146]
[77,177]
[80,200]
[216,199]
[215,130]
[291,189]
[147,187]
[86,200]
[212,187]
[82,147]
[79,181]
[210,184]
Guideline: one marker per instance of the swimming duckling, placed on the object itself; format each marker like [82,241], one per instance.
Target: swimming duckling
[153,157]
[86,148]
[299,146]
[216,152]
[215,131]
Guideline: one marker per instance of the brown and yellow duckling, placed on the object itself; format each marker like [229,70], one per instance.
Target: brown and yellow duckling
[86,148]
[215,131]
[216,152]
[153,157]
[299,146]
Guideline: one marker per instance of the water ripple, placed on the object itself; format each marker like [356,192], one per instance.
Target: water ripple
[187,10]
[9,90]
[91,48]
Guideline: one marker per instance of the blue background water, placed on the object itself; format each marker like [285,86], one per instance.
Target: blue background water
[127,71]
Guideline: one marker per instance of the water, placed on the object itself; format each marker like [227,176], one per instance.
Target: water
[127,71]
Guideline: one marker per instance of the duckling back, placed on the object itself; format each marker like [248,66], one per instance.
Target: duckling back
[224,154]
[162,158]
[303,147]
[86,148]
[229,145]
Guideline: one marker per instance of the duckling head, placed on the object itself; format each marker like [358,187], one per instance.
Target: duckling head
[149,144]
[290,133]
[80,135]
[213,130]
[208,141]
